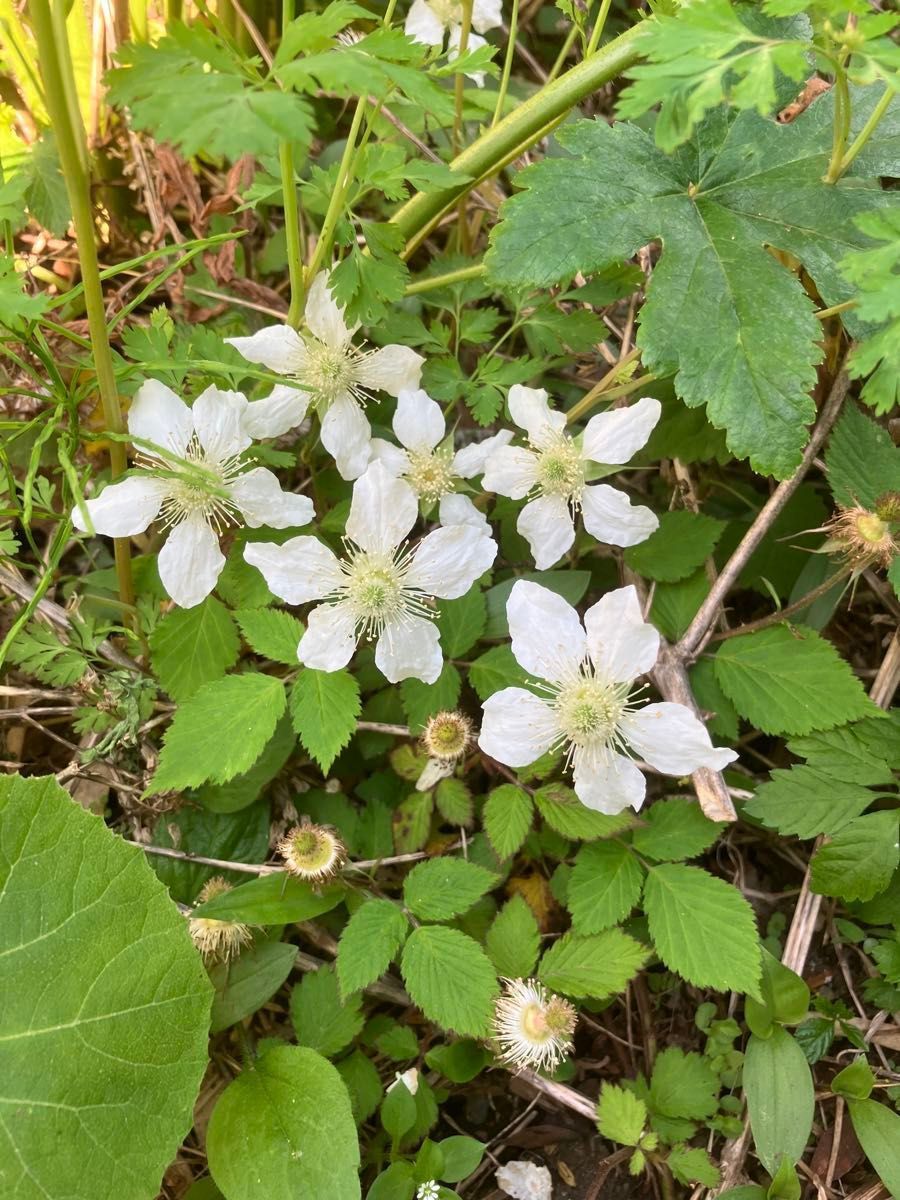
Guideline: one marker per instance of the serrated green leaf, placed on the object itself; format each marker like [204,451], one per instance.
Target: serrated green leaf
[676,828]
[806,801]
[241,837]
[360,1075]
[604,886]
[123,975]
[441,888]
[675,604]
[691,1164]
[861,461]
[321,1019]
[324,708]
[450,978]
[858,862]
[564,812]
[241,791]
[597,966]
[411,822]
[514,939]
[621,1115]
[193,646]
[681,544]
[271,632]
[863,752]
[422,700]
[495,669]
[454,801]
[243,986]
[702,928]
[462,622]
[371,938]
[683,1085]
[507,818]
[789,681]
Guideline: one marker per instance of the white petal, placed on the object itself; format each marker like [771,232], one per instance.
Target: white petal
[473,43]
[547,637]
[346,435]
[471,459]
[299,570]
[325,318]
[158,415]
[671,739]
[487,14]
[531,411]
[613,437]
[449,560]
[517,727]
[330,638]
[383,510]
[258,495]
[219,419]
[418,421]
[547,526]
[125,508]
[455,509]
[392,369]
[190,562]
[620,642]
[390,456]
[423,24]
[511,471]
[610,516]
[409,649]
[277,347]
[609,787]
[284,408]
[523,1180]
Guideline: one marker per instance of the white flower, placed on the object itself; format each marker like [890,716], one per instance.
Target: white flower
[428,20]
[533,1027]
[429,467]
[428,1191]
[525,1180]
[195,484]
[334,377]
[553,470]
[382,588]
[409,1079]
[589,706]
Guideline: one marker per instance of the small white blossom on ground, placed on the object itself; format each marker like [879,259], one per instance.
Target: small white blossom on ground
[429,20]
[428,1191]
[533,1027]
[383,587]
[195,484]
[409,1079]
[525,1180]
[590,708]
[334,377]
[431,468]
[553,468]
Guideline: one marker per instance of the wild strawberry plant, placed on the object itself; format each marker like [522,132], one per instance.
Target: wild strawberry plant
[450,579]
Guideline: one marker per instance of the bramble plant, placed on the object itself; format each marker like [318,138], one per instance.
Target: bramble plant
[451,576]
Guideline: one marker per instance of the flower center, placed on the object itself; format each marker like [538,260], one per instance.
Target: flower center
[376,591]
[430,475]
[590,710]
[560,468]
[198,486]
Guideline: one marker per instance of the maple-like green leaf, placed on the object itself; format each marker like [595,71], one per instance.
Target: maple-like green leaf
[734,325]
[876,273]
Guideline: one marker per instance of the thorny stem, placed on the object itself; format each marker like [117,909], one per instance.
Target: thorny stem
[867,130]
[507,63]
[291,211]
[53,53]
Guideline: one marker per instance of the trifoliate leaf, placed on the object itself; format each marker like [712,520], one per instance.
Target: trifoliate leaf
[621,1115]
[806,801]
[441,888]
[271,632]
[861,461]
[604,886]
[324,708]
[283,1129]
[858,862]
[682,543]
[789,680]
[702,928]
[321,1019]
[219,731]
[103,1027]
[733,324]
[507,818]
[450,978]
[514,939]
[683,1085]
[370,939]
[192,646]
[597,966]
[675,829]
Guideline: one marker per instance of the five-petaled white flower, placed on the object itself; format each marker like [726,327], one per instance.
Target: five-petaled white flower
[332,374]
[195,484]
[428,20]
[430,466]
[382,588]
[553,468]
[589,706]
[428,1190]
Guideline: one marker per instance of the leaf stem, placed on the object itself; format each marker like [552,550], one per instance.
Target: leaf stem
[867,130]
[603,390]
[53,53]
[841,125]
[507,63]
[333,212]
[431,282]
[597,31]
[292,228]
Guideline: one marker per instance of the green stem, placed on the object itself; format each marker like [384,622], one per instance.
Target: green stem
[459,81]
[841,122]
[336,203]
[597,31]
[9,240]
[507,62]
[867,130]
[520,128]
[72,150]
[174,10]
[292,231]
[586,403]
[824,313]
[432,282]
[563,53]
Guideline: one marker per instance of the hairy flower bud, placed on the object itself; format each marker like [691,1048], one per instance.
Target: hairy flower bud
[217,941]
[447,736]
[312,852]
